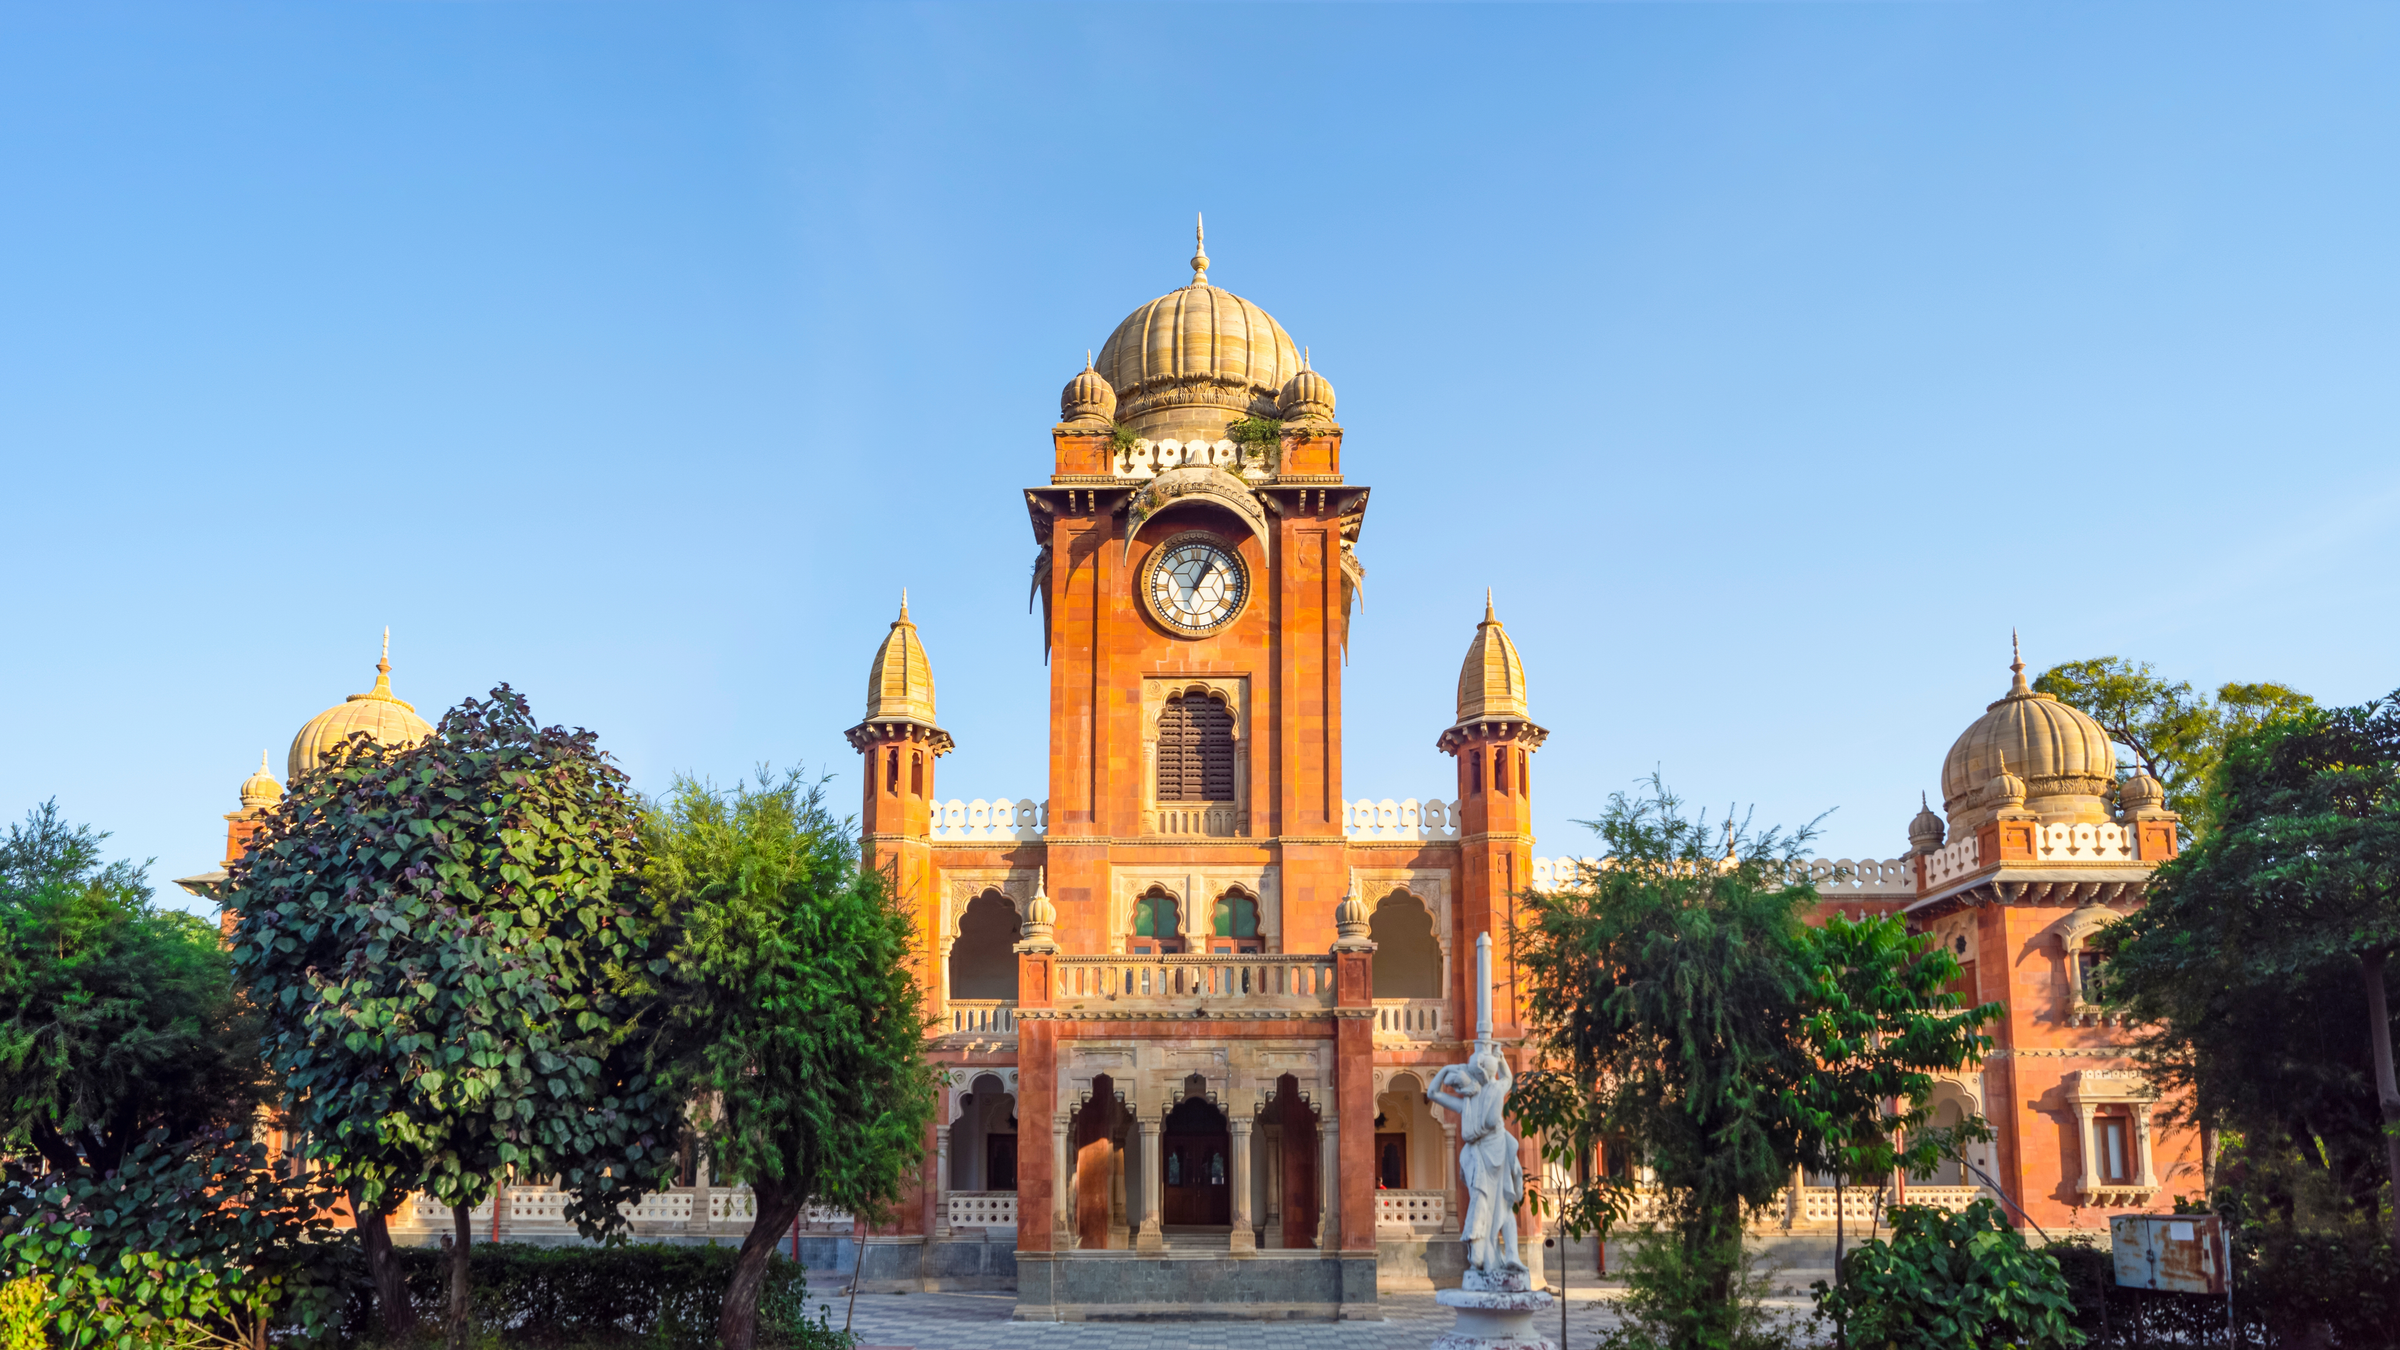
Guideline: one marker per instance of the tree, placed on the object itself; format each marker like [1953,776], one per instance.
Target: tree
[1681,1008]
[797,1011]
[444,939]
[1964,1280]
[193,1242]
[2172,733]
[2300,879]
[1879,1022]
[119,1016]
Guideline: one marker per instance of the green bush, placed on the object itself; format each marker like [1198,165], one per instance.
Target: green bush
[1674,1296]
[1960,1281]
[646,1295]
[21,1317]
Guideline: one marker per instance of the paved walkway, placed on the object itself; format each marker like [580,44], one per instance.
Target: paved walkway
[981,1322]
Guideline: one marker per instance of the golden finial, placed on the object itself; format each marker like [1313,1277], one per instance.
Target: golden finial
[903,605]
[262,761]
[383,668]
[1488,615]
[1304,365]
[1199,250]
[1087,360]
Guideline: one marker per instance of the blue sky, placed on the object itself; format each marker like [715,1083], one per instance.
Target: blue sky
[1770,362]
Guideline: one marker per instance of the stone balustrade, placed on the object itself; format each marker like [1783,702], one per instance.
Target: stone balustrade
[1412,1020]
[959,821]
[1812,1207]
[1147,458]
[1950,862]
[1420,1210]
[983,1016]
[541,1212]
[983,1209]
[1835,878]
[2084,843]
[1407,818]
[1266,982]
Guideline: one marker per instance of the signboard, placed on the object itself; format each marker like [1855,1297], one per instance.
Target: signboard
[2181,1252]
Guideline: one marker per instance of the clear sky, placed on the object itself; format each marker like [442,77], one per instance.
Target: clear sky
[1769,361]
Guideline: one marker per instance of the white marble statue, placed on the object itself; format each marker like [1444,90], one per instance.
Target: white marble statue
[1488,1163]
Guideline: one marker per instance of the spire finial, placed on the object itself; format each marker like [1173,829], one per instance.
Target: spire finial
[262,761]
[904,604]
[1304,365]
[2016,667]
[385,664]
[1087,359]
[1199,250]
[1488,615]
[1922,803]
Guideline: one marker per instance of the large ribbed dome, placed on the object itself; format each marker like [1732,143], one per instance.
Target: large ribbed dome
[1195,359]
[377,712]
[2057,749]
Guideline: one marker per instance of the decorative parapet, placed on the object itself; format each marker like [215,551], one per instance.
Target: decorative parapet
[1951,862]
[1836,878]
[959,821]
[2083,843]
[1233,982]
[1404,819]
[1146,459]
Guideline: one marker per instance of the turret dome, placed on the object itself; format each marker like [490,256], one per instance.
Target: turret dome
[260,789]
[1925,829]
[2063,758]
[900,680]
[1087,400]
[1491,682]
[1306,397]
[378,712]
[1195,359]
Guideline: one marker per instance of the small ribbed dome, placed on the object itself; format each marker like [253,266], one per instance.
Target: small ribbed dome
[900,682]
[1491,683]
[377,712]
[2141,793]
[2056,749]
[1088,398]
[1307,396]
[1925,829]
[260,789]
[1195,359]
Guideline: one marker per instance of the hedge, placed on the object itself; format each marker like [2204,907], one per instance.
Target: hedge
[650,1295]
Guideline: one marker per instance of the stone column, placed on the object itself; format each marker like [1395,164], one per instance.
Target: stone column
[1154,1202]
[2083,1142]
[1062,1185]
[1244,1239]
[1453,1207]
[1329,1182]
[941,1178]
[2141,1143]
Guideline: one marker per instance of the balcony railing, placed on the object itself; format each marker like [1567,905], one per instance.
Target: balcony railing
[983,1209]
[1410,1019]
[983,1017]
[1298,982]
[956,821]
[1421,1210]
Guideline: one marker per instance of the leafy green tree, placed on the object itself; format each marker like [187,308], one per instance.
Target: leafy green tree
[1681,1007]
[2295,893]
[2172,733]
[1962,1280]
[1879,1021]
[442,939]
[797,1010]
[197,1242]
[117,1016]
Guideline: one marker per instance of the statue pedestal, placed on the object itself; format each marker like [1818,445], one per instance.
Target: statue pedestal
[1495,1313]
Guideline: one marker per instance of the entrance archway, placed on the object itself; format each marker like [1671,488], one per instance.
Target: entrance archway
[983,1140]
[1197,1158]
[983,961]
[1294,1124]
[1098,1132]
[1408,961]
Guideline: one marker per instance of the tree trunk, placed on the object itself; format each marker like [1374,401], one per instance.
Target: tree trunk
[778,1207]
[459,1247]
[2387,1091]
[399,1316]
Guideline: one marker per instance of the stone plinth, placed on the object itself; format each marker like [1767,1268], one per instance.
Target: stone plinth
[1495,1313]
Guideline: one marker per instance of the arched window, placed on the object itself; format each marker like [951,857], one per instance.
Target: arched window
[891,771]
[1500,770]
[1475,773]
[1233,924]
[1524,774]
[1195,749]
[1407,961]
[983,961]
[916,773]
[1157,929]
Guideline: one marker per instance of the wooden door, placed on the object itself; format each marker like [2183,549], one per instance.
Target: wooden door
[1196,1163]
[1391,1162]
[1298,1124]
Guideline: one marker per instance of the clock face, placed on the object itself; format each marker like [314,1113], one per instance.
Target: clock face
[1196,584]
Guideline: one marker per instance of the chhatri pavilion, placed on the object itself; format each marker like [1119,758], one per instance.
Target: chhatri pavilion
[1189,992]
